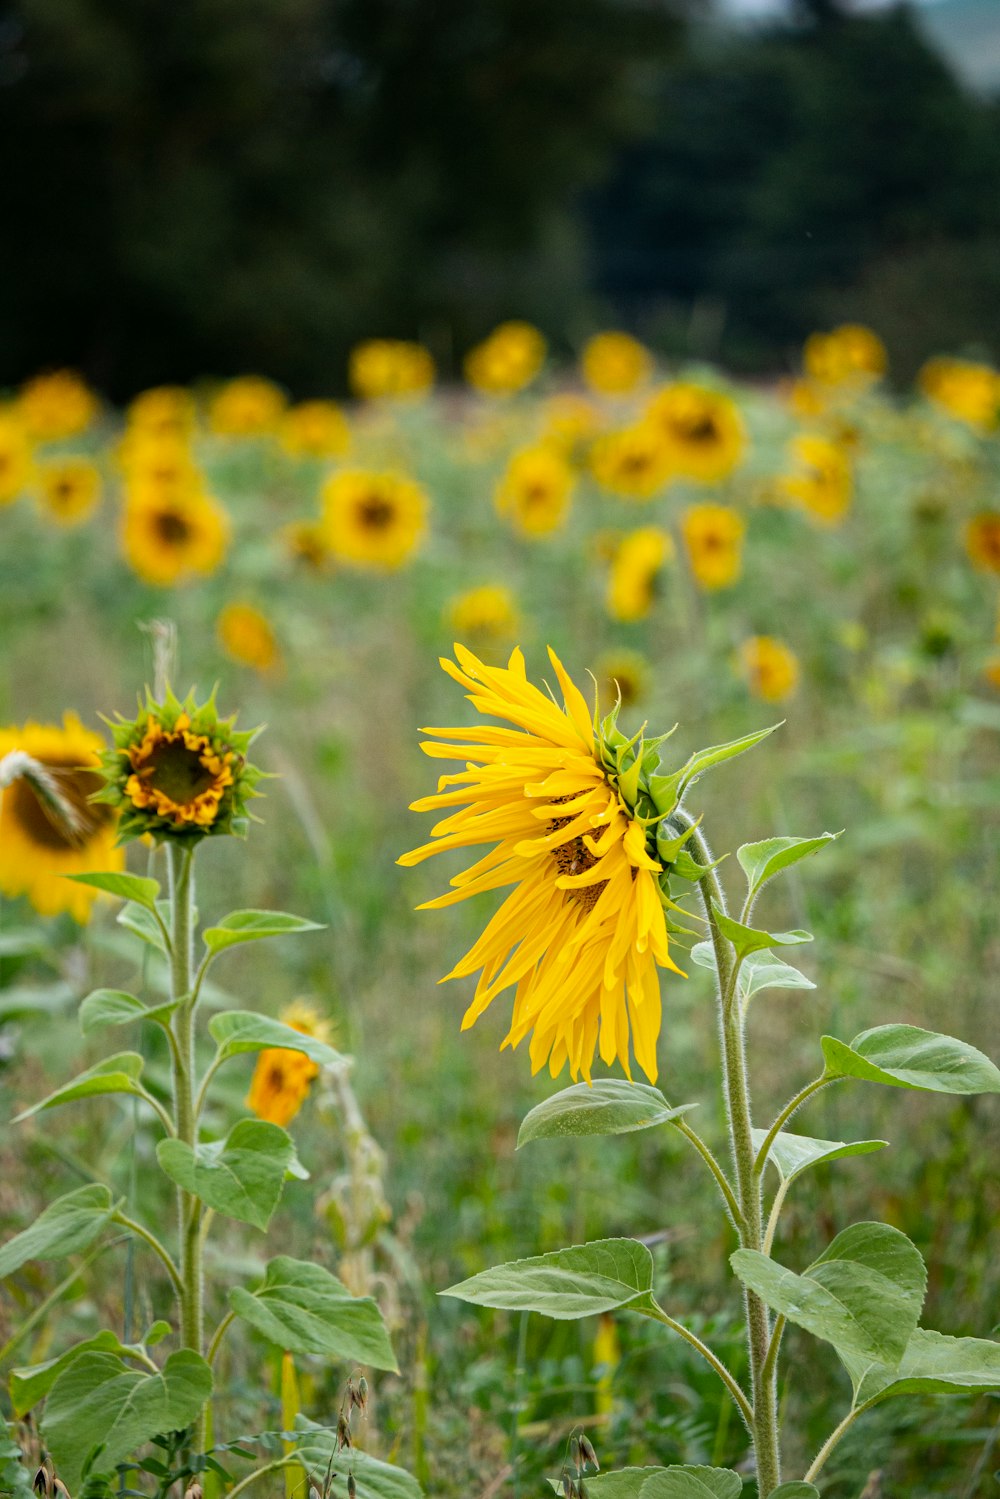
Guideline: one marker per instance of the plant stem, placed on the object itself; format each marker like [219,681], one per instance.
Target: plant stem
[763,1381]
[275,1467]
[189,1208]
[832,1440]
[155,1245]
[720,1176]
[710,1358]
[775,1214]
[218,1336]
[786,1114]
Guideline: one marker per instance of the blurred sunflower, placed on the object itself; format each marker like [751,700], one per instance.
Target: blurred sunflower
[615,364]
[968,391]
[390,368]
[713,539]
[56,405]
[306,542]
[852,355]
[169,535]
[535,491]
[769,668]
[702,430]
[488,612]
[507,361]
[315,429]
[282,1078]
[982,541]
[249,406]
[37,848]
[633,462]
[246,635]
[622,677]
[822,481]
[158,457]
[636,566]
[373,520]
[584,929]
[15,459]
[164,411]
[68,489]
[569,422]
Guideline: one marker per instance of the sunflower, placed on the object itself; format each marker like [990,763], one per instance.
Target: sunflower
[15,459]
[636,567]
[852,355]
[164,411]
[488,612]
[569,422]
[615,364]
[390,369]
[36,848]
[702,429]
[982,541]
[507,361]
[56,405]
[633,462]
[584,928]
[315,429]
[535,491]
[68,489]
[373,520]
[713,538]
[822,482]
[967,391]
[769,668]
[622,677]
[282,1078]
[248,407]
[246,636]
[170,534]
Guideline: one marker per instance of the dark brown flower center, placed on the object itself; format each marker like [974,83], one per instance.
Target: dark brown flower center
[376,513]
[41,824]
[176,771]
[698,429]
[171,528]
[574,857]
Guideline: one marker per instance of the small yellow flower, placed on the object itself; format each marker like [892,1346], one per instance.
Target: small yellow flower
[823,482]
[535,491]
[315,429]
[281,1078]
[615,364]
[160,458]
[851,355]
[390,368]
[169,536]
[622,677]
[68,489]
[487,613]
[769,668]
[373,520]
[569,422]
[164,411]
[507,361]
[702,430]
[15,459]
[633,462]
[713,538]
[246,635]
[967,391]
[36,851]
[56,405]
[636,567]
[982,541]
[247,407]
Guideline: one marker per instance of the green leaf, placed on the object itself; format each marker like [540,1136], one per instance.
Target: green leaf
[241,1176]
[251,926]
[798,1489]
[675,1482]
[303,1308]
[117,1074]
[904,1056]
[760,862]
[97,1402]
[28,1001]
[65,1227]
[792,1154]
[705,759]
[316,1446]
[116,1007]
[23,942]
[863,1294]
[610,1106]
[238,1031]
[28,1385]
[933,1364]
[157,1332]
[759,970]
[128,886]
[140,920]
[569,1283]
[748,939]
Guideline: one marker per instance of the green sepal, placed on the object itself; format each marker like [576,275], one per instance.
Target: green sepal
[748,939]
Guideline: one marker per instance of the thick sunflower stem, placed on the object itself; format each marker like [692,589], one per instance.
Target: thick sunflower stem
[180,862]
[737,1092]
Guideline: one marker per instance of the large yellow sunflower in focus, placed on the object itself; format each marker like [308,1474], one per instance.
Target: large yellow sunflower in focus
[584,928]
[37,849]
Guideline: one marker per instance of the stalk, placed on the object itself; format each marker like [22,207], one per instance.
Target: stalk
[181,937]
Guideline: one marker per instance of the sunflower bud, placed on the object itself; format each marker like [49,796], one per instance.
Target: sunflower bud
[179,772]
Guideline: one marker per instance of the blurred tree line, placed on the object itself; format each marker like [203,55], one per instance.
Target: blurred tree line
[227,185]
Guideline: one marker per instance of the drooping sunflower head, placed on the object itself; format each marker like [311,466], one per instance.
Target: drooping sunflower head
[178,771]
[373,520]
[702,429]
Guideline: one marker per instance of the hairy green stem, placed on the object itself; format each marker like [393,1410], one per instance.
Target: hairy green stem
[218,1335]
[710,1358]
[832,1440]
[728,1194]
[189,1208]
[154,1244]
[790,1108]
[275,1467]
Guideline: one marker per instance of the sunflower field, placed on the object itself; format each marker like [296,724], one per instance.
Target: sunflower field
[660,550]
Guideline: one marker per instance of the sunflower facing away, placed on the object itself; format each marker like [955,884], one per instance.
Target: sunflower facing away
[584,928]
[282,1078]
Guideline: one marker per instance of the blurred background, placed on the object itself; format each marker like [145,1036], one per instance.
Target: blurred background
[221,186]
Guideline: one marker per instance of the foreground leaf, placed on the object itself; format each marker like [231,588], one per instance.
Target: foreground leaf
[792,1154]
[117,1074]
[759,970]
[241,1176]
[303,1308]
[238,1031]
[116,1007]
[316,1448]
[128,886]
[140,920]
[748,939]
[675,1482]
[904,1056]
[568,1283]
[253,926]
[28,1385]
[863,1294]
[933,1364]
[760,862]
[66,1226]
[610,1106]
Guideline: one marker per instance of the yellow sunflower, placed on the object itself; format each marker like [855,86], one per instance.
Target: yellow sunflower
[373,520]
[636,566]
[702,429]
[68,489]
[622,677]
[535,491]
[584,928]
[982,541]
[170,535]
[569,422]
[247,407]
[769,668]
[56,405]
[615,364]
[713,538]
[36,848]
[246,635]
[822,481]
[968,391]
[390,369]
[281,1078]
[488,612]
[633,462]
[164,411]
[852,355]
[507,361]
[15,459]
[315,429]
[163,458]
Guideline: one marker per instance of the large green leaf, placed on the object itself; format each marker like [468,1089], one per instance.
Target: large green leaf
[252,926]
[904,1056]
[97,1403]
[667,790]
[117,1074]
[65,1227]
[933,1364]
[140,920]
[28,1385]
[568,1283]
[748,939]
[128,886]
[241,1176]
[303,1308]
[863,1294]
[611,1106]
[116,1007]
[760,862]
[675,1482]
[238,1031]
[759,970]
[316,1448]
[792,1154]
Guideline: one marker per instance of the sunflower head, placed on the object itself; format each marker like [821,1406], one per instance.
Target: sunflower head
[178,771]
